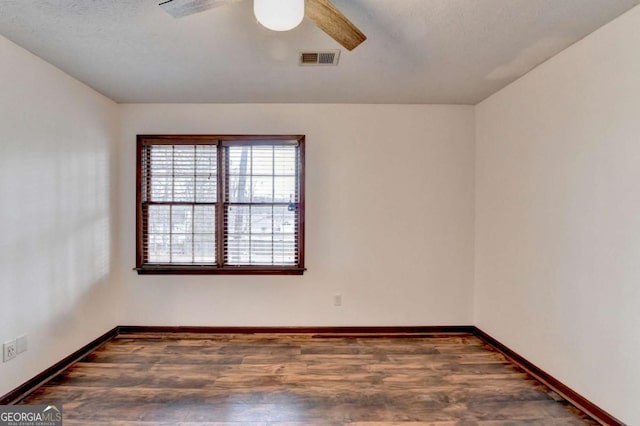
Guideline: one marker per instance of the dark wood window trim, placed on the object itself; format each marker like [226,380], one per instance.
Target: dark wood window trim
[220,267]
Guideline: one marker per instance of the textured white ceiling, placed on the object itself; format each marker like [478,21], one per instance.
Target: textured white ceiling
[418,51]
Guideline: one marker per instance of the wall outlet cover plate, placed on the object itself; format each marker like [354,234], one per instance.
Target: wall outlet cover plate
[9,350]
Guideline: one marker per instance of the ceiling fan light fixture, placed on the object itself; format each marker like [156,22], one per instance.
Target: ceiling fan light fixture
[279,15]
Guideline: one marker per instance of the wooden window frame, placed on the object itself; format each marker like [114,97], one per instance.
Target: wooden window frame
[220,268]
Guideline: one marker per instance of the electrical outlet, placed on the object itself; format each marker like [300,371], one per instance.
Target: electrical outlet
[337,300]
[21,344]
[9,350]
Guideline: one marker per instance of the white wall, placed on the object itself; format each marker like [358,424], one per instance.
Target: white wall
[392,233]
[558,217]
[55,219]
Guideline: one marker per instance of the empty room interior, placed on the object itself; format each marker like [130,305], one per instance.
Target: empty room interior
[355,212]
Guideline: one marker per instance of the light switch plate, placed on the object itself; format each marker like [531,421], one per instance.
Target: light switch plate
[21,344]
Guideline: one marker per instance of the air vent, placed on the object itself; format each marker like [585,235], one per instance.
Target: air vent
[319,57]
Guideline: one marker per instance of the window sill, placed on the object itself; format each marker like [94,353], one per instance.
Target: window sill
[213,270]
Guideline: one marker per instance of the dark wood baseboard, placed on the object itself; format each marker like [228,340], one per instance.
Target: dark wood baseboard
[29,386]
[391,331]
[569,394]
[573,397]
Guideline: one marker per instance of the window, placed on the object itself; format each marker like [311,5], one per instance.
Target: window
[220,204]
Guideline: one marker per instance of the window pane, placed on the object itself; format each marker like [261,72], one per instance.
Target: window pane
[205,189]
[238,220]
[204,219]
[161,172]
[206,174]
[238,250]
[206,160]
[284,240]
[284,221]
[262,160]
[161,157]
[181,234]
[262,189]
[261,235]
[239,160]
[184,160]
[262,174]
[161,187]
[284,250]
[159,219]
[239,167]
[204,241]
[285,189]
[238,244]
[181,219]
[181,248]
[285,160]
[261,219]
[204,248]
[239,188]
[182,173]
[261,250]
[158,248]
[183,188]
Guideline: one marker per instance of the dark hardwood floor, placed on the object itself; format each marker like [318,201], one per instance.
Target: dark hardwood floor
[292,380]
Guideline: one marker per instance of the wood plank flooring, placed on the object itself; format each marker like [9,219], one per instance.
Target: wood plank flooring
[294,380]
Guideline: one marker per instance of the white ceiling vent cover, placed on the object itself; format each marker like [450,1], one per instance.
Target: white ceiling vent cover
[319,57]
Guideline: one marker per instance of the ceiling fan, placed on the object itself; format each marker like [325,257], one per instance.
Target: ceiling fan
[282,15]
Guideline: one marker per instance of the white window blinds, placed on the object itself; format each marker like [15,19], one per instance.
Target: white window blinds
[179,204]
[261,223]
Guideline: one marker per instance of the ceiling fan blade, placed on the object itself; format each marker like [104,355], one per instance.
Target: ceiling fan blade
[181,8]
[330,20]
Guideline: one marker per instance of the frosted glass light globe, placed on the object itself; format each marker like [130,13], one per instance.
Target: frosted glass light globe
[279,15]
